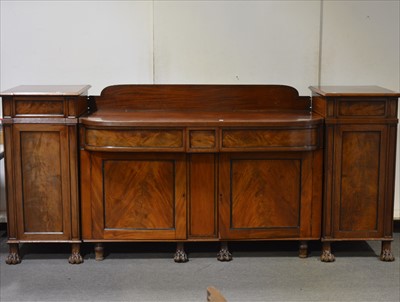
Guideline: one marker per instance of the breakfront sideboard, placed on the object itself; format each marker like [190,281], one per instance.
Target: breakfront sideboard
[184,163]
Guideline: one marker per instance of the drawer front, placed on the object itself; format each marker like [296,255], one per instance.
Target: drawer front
[364,108]
[202,140]
[269,139]
[134,140]
[39,107]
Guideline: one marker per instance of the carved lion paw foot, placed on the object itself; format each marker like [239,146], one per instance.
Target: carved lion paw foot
[327,256]
[13,258]
[387,255]
[180,256]
[224,255]
[75,258]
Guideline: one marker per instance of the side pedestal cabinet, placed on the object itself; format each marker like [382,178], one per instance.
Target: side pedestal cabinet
[41,152]
[359,164]
[187,163]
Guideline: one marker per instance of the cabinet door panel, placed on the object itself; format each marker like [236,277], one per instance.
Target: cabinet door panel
[266,195]
[138,196]
[359,180]
[42,171]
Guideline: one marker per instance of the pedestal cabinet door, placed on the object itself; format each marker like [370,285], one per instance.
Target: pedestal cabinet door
[266,195]
[138,196]
[358,199]
[42,182]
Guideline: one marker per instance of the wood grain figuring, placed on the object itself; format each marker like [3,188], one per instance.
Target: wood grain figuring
[259,138]
[319,105]
[77,106]
[41,178]
[25,107]
[360,181]
[365,108]
[202,198]
[73,183]
[202,139]
[136,196]
[7,103]
[134,138]
[201,97]
[392,108]
[139,194]
[265,193]
[10,171]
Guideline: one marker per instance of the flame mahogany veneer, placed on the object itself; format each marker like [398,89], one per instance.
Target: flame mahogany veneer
[188,163]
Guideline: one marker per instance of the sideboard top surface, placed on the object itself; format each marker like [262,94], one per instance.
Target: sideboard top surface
[47,90]
[195,118]
[353,91]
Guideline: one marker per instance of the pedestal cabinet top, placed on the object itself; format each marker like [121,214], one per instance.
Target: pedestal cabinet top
[354,91]
[50,90]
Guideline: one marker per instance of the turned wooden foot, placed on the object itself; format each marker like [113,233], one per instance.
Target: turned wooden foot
[180,254]
[99,251]
[75,257]
[303,249]
[386,251]
[224,254]
[13,256]
[327,255]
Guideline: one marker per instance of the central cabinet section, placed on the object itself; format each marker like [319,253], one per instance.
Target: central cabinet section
[201,163]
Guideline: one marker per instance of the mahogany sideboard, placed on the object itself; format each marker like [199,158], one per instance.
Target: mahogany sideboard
[188,163]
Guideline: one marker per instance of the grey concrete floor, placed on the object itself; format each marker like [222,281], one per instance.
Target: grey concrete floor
[260,271]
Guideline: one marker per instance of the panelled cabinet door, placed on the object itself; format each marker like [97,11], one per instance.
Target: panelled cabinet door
[359,181]
[265,195]
[138,196]
[43,176]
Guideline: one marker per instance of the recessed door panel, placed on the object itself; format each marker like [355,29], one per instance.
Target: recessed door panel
[137,196]
[266,195]
[359,181]
[43,174]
